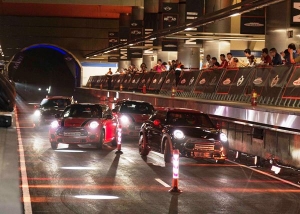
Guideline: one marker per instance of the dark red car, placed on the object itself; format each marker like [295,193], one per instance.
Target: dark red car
[84,123]
[131,115]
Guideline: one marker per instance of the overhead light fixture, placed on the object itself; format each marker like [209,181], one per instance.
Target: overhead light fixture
[130,44]
[95,55]
[153,38]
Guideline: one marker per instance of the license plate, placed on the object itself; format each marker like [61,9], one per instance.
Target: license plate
[202,154]
[72,133]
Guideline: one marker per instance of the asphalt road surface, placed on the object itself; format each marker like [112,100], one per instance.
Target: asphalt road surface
[86,180]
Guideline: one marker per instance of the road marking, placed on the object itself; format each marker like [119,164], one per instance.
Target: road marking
[130,160]
[264,173]
[162,182]
[25,188]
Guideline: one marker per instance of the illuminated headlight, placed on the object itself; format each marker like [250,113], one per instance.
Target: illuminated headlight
[54,124]
[37,113]
[124,119]
[178,135]
[94,124]
[223,137]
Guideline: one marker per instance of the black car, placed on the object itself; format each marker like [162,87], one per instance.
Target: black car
[50,106]
[190,131]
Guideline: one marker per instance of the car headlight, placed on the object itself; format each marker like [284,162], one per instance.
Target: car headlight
[178,135]
[54,124]
[223,137]
[37,113]
[124,119]
[94,124]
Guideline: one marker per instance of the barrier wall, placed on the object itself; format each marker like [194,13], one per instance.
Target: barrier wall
[275,85]
[257,131]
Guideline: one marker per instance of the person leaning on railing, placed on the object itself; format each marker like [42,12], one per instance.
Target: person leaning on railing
[294,59]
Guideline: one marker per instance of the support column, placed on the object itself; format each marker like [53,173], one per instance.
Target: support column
[124,29]
[216,47]
[189,56]
[137,15]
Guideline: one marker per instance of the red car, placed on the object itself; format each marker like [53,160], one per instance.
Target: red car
[131,115]
[84,123]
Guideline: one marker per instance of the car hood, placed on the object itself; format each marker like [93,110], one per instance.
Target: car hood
[76,122]
[197,132]
[138,118]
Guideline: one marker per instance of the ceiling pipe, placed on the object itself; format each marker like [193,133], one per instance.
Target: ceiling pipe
[242,7]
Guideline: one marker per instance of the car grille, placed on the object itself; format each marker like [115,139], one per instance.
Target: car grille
[71,132]
[205,147]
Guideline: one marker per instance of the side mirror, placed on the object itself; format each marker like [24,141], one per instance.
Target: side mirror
[156,122]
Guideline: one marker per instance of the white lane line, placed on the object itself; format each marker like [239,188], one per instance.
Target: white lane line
[25,188]
[264,173]
[162,182]
[129,159]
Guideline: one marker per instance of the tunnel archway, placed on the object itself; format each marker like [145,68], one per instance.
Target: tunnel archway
[46,66]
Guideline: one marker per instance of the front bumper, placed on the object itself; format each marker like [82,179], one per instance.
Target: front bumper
[131,130]
[202,149]
[74,136]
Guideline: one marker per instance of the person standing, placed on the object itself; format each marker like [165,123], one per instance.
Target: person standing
[276,58]
[265,57]
[109,79]
[224,62]
[208,63]
[159,67]
[230,59]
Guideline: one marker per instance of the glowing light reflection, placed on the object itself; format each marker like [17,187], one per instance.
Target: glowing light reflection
[79,167]
[69,151]
[96,197]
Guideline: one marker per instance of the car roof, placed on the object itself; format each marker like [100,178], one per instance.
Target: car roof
[137,101]
[57,97]
[183,110]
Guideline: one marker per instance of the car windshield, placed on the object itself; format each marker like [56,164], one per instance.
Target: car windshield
[136,108]
[55,102]
[189,119]
[85,111]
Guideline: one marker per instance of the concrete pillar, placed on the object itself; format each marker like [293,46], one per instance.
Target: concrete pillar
[222,26]
[189,56]
[216,47]
[151,6]
[124,64]
[137,15]
[149,60]
[276,29]
[137,62]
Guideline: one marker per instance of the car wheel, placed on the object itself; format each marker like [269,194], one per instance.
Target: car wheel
[143,147]
[100,144]
[167,152]
[54,145]
[220,161]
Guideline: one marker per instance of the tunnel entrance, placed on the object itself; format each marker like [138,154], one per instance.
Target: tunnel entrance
[45,70]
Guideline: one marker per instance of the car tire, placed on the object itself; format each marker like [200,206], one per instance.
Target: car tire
[100,144]
[167,152]
[220,161]
[143,147]
[54,145]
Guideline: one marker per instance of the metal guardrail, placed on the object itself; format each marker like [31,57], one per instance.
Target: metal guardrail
[274,85]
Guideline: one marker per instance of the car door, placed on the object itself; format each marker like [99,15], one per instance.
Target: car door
[154,130]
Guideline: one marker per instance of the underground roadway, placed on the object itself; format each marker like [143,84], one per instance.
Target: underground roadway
[84,179]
